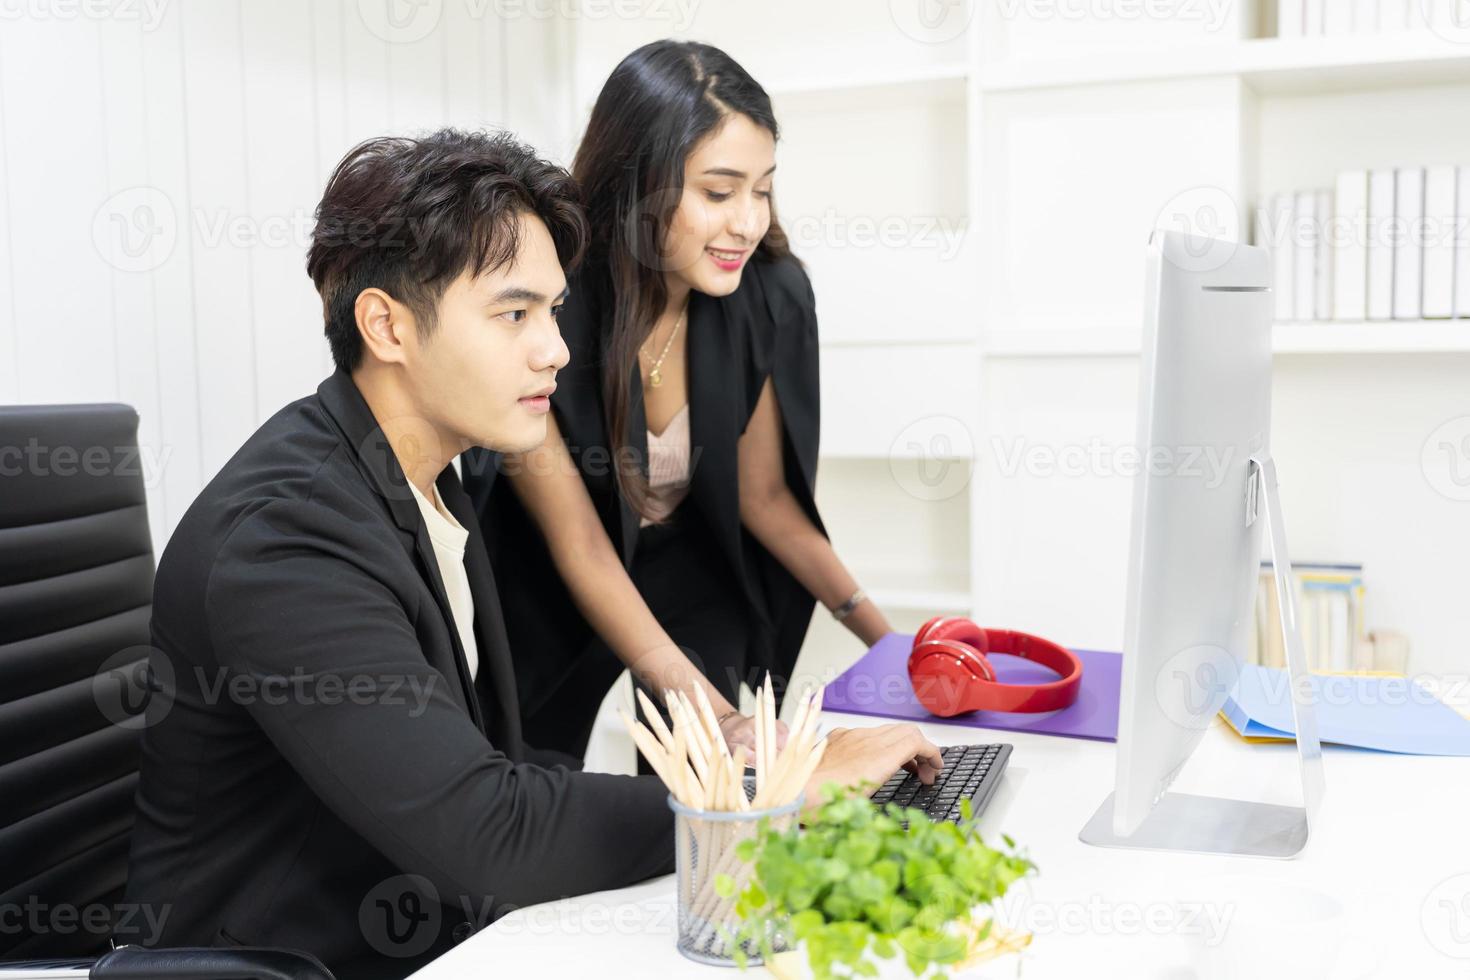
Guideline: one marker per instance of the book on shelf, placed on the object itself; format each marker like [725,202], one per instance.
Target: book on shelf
[1291,18]
[1305,239]
[1365,16]
[1387,244]
[1408,243]
[1273,230]
[1314,18]
[1439,243]
[1395,15]
[1330,600]
[1322,257]
[1337,17]
[1350,249]
[1462,242]
[1380,245]
[1333,18]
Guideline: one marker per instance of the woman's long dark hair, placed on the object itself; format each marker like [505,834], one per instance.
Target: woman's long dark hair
[656,106]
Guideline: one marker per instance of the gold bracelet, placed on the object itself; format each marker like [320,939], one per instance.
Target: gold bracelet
[853,601]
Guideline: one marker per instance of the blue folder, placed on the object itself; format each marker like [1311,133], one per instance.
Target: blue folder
[1390,714]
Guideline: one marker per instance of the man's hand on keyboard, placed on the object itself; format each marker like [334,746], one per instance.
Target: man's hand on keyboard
[856,755]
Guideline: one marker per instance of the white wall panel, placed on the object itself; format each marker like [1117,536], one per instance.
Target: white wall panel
[282,187]
[1055,493]
[910,402]
[159,181]
[9,337]
[134,315]
[1077,178]
[57,176]
[176,327]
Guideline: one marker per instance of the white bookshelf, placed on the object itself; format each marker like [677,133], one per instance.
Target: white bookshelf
[862,82]
[1059,153]
[1066,342]
[1080,150]
[1314,337]
[1268,65]
[1372,337]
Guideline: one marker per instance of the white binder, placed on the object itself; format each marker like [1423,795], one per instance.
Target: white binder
[1306,234]
[1462,244]
[1350,247]
[1283,257]
[1322,258]
[1439,242]
[1380,244]
[1408,250]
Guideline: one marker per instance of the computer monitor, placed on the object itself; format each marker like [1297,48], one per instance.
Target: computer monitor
[1203,501]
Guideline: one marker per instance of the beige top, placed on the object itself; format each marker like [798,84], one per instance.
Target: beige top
[668,468]
[448,537]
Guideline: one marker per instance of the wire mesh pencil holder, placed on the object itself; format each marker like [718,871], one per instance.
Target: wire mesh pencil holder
[704,849]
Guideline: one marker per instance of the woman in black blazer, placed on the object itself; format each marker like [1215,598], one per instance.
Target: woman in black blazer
[685,533]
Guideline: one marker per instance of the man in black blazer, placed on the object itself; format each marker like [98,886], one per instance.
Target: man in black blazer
[334,759]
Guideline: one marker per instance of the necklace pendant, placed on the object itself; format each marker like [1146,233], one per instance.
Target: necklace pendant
[655,378]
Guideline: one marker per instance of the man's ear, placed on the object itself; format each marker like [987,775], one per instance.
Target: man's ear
[383,323]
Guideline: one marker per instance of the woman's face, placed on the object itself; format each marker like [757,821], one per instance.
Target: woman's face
[725,208]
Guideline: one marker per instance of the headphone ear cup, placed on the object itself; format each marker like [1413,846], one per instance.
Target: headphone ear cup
[923,633]
[940,683]
[960,630]
[944,674]
[973,660]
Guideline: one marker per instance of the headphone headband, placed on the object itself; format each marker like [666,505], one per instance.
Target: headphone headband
[952,675]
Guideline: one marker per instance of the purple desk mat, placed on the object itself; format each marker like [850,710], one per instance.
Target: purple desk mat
[878,685]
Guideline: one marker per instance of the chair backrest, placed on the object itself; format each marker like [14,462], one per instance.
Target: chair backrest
[76,592]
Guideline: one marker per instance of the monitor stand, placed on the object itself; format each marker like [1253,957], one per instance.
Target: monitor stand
[1216,825]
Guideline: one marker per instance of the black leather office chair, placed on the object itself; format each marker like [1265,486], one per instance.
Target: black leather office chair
[76,588]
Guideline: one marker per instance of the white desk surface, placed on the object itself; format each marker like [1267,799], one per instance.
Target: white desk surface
[1383,889]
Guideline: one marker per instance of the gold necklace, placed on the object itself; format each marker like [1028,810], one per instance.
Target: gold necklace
[655,374]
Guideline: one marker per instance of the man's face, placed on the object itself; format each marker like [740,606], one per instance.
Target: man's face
[484,374]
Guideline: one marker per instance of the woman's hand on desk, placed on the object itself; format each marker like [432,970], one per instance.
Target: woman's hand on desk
[739,729]
[871,755]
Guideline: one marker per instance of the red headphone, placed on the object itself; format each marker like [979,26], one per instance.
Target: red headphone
[951,674]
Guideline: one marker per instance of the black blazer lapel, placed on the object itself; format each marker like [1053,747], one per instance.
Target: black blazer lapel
[629,519]
[497,672]
[379,465]
[715,397]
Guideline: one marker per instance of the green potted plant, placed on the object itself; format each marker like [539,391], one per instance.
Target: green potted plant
[853,886]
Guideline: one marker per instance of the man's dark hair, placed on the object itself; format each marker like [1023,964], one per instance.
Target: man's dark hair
[407,216]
